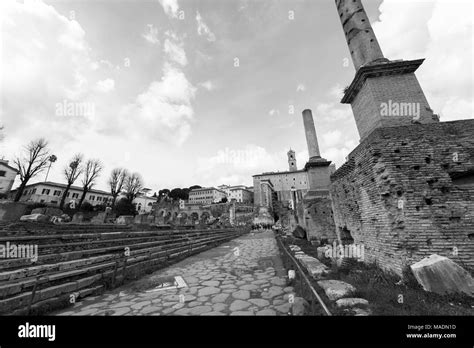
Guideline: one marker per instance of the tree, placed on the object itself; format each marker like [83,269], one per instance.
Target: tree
[162,194]
[178,193]
[124,207]
[71,173]
[91,172]
[133,186]
[34,161]
[116,182]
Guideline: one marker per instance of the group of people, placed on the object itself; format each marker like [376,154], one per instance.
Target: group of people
[261,226]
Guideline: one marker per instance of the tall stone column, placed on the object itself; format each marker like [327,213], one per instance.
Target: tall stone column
[311,138]
[360,36]
[383,93]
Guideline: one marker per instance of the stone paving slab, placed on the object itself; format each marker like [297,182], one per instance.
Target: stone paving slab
[226,280]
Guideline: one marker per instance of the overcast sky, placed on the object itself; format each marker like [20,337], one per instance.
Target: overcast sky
[203,91]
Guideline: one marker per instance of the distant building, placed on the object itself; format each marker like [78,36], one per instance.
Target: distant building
[7,177]
[288,185]
[206,195]
[51,193]
[144,203]
[239,193]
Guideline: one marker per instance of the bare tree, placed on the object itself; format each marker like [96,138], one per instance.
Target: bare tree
[71,173]
[133,185]
[116,181]
[92,169]
[34,161]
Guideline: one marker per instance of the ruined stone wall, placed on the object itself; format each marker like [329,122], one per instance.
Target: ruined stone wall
[408,192]
[318,220]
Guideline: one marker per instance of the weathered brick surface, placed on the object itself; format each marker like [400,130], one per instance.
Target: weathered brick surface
[318,219]
[395,88]
[416,165]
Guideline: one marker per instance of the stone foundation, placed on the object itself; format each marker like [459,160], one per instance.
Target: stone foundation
[408,192]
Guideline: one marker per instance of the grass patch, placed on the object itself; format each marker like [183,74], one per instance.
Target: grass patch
[386,292]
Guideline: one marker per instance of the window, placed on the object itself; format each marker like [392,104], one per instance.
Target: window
[2,173]
[91,198]
[57,193]
[99,199]
[34,190]
[45,191]
[75,195]
[68,194]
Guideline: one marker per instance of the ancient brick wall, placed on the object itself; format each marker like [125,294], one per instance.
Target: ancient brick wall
[318,220]
[396,89]
[408,192]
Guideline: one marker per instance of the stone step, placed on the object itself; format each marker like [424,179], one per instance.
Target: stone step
[61,249]
[67,277]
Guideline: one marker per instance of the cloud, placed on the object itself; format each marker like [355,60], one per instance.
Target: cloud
[105,86]
[164,111]
[170,7]
[203,29]
[331,112]
[336,92]
[300,88]
[331,138]
[151,35]
[48,61]
[237,165]
[441,31]
[173,47]
[209,85]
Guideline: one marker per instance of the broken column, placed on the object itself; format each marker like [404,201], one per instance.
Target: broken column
[316,206]
[383,93]
[311,138]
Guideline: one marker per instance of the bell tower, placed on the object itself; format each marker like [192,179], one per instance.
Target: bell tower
[292,161]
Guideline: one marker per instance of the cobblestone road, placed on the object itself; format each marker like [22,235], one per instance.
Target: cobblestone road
[241,277]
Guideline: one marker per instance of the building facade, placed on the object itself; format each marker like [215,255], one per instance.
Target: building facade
[7,177]
[206,195]
[239,193]
[51,192]
[143,203]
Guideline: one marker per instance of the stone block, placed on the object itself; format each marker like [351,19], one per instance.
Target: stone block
[299,232]
[99,218]
[35,218]
[125,219]
[12,211]
[48,211]
[336,289]
[351,302]
[78,217]
[441,275]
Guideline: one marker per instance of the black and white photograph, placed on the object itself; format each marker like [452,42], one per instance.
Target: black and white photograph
[163,161]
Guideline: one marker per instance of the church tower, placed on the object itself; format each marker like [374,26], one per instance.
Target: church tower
[383,93]
[292,161]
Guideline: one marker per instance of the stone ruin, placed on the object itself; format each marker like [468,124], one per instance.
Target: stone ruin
[407,190]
